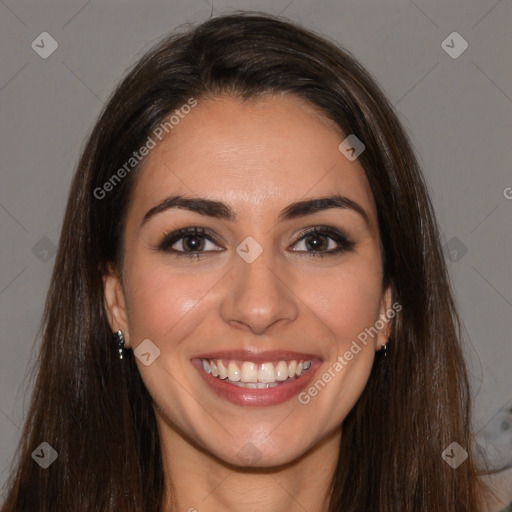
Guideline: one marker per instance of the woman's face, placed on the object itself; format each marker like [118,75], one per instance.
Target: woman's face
[252,292]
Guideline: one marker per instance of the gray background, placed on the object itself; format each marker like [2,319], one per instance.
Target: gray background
[458,113]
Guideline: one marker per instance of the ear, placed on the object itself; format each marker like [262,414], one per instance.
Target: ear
[115,303]
[385,320]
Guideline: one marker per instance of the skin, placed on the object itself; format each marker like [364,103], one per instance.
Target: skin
[258,156]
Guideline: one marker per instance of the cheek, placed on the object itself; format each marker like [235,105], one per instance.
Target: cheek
[346,303]
[346,300]
[159,299]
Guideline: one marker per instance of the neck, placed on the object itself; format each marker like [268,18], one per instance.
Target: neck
[201,482]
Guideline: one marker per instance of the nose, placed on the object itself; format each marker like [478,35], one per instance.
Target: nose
[259,295]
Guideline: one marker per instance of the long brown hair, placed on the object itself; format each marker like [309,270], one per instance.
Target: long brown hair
[94,410]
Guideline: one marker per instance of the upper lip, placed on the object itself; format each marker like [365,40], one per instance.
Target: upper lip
[256,356]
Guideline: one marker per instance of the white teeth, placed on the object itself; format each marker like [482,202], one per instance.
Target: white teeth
[266,373]
[254,375]
[233,372]
[223,371]
[281,371]
[255,385]
[292,365]
[249,372]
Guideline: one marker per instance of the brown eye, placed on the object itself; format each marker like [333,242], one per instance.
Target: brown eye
[323,241]
[191,242]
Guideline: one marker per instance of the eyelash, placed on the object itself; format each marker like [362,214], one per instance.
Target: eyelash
[345,245]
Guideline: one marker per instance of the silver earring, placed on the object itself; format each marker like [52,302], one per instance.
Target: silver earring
[119,339]
[383,347]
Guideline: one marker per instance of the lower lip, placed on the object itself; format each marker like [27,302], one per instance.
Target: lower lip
[257,397]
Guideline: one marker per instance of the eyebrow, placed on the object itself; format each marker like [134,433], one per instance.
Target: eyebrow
[219,210]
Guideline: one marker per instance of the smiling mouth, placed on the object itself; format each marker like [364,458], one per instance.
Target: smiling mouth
[250,375]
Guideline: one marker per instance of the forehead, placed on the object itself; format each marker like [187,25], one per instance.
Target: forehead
[257,155]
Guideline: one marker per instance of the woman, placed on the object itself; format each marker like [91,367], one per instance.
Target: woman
[249,220]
